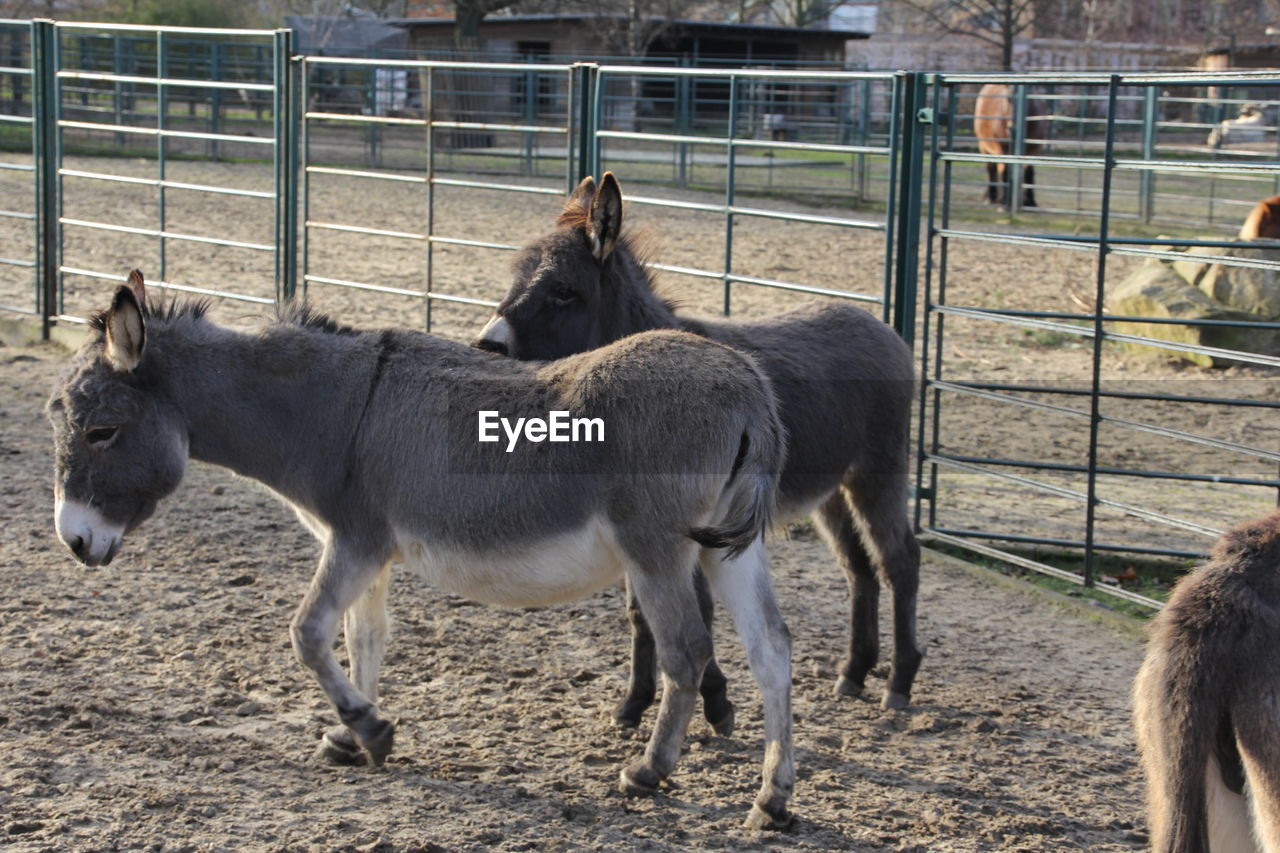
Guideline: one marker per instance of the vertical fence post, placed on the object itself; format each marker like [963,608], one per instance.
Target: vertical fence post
[1146,192]
[1104,223]
[584,80]
[684,123]
[1013,172]
[286,155]
[44,113]
[162,163]
[429,116]
[729,189]
[530,115]
[914,116]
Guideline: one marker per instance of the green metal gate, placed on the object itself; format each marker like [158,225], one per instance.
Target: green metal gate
[1080,459]
[174,100]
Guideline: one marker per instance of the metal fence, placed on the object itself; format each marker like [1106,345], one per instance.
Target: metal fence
[542,128]
[1067,453]
[158,223]
[1178,121]
[193,103]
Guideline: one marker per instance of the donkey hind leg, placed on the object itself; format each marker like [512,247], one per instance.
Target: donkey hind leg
[742,585]
[365,629]
[878,505]
[339,581]
[1227,813]
[716,706]
[1258,738]
[835,524]
[683,646]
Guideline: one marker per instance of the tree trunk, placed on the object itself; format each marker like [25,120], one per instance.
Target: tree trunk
[466,25]
[1006,35]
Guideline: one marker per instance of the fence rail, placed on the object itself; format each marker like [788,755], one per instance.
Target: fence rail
[1087,485]
[891,152]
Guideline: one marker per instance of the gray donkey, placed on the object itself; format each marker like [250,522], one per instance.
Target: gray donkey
[1207,702]
[374,439]
[844,383]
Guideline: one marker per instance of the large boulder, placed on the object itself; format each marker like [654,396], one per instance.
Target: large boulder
[1196,290]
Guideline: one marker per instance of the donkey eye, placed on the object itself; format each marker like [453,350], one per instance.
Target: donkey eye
[100,436]
[564,294]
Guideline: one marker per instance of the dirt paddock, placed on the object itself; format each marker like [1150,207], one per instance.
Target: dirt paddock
[156,704]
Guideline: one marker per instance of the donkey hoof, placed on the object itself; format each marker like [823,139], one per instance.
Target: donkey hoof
[724,726]
[846,686]
[379,743]
[639,780]
[894,701]
[338,746]
[628,714]
[775,817]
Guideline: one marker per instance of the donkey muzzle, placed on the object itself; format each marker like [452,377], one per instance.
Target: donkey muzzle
[495,336]
[91,538]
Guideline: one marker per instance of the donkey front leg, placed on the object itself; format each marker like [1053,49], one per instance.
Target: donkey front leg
[716,706]
[365,629]
[683,646]
[742,585]
[340,579]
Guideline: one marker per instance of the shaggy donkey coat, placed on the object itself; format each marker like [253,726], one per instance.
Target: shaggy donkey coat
[1207,702]
[844,382]
[372,438]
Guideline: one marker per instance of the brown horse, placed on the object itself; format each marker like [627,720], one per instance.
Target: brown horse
[1205,702]
[993,126]
[1264,221]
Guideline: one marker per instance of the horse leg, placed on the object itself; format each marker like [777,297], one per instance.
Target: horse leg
[878,504]
[341,578]
[365,629]
[1028,191]
[1002,183]
[742,584]
[683,646]
[993,183]
[835,524]
[716,706]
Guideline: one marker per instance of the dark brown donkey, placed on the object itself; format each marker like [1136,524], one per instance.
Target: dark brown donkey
[1206,700]
[844,385]
[993,126]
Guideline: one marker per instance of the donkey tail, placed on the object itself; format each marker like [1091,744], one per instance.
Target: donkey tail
[753,481]
[1187,739]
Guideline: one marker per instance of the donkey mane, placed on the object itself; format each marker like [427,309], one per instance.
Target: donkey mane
[164,310]
[301,314]
[297,313]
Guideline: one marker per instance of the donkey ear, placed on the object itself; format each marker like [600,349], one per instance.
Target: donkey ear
[126,332]
[606,217]
[580,199]
[138,286]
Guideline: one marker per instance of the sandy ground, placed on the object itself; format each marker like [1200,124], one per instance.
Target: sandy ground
[156,704]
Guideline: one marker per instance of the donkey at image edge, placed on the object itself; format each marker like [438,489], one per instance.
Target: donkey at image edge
[844,382]
[391,471]
[1207,702]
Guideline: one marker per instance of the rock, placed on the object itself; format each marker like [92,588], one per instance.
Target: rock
[1254,291]
[1157,290]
